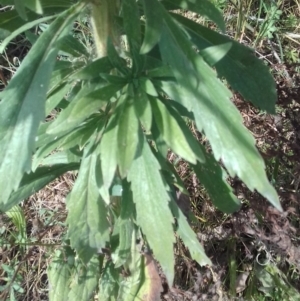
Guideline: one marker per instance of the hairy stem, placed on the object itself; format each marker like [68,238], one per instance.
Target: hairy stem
[103,14]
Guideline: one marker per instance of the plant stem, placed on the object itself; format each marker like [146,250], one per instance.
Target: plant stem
[104,25]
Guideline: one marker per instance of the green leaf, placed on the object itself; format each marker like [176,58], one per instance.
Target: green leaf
[129,286]
[81,135]
[114,58]
[175,132]
[20,8]
[204,8]
[22,105]
[160,143]
[108,155]
[124,227]
[56,97]
[88,224]
[161,71]
[188,236]
[153,213]
[143,109]
[122,253]
[131,24]
[109,283]
[127,137]
[17,216]
[170,172]
[227,130]
[59,274]
[73,46]
[62,157]
[34,181]
[239,66]
[11,21]
[183,68]
[46,144]
[93,70]
[84,280]
[62,72]
[64,140]
[51,7]
[213,178]
[132,27]
[21,29]
[127,205]
[147,85]
[35,6]
[214,54]
[114,79]
[153,60]
[154,23]
[209,100]
[81,108]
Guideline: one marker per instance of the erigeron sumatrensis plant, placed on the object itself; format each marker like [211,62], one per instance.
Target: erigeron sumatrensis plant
[120,110]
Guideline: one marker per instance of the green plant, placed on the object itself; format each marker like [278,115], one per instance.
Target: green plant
[272,16]
[14,287]
[269,283]
[17,216]
[118,112]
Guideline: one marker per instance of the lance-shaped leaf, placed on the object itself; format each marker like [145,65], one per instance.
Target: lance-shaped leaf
[108,150]
[71,45]
[188,236]
[154,23]
[160,143]
[63,157]
[81,108]
[21,29]
[125,226]
[93,69]
[125,229]
[215,114]
[20,8]
[212,176]
[132,28]
[109,283]
[108,155]
[34,181]
[59,274]
[56,97]
[77,137]
[81,136]
[47,148]
[10,21]
[114,58]
[23,105]
[143,109]
[153,213]
[88,224]
[175,132]
[147,85]
[62,72]
[85,280]
[204,8]
[131,19]
[34,5]
[127,137]
[129,286]
[239,65]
